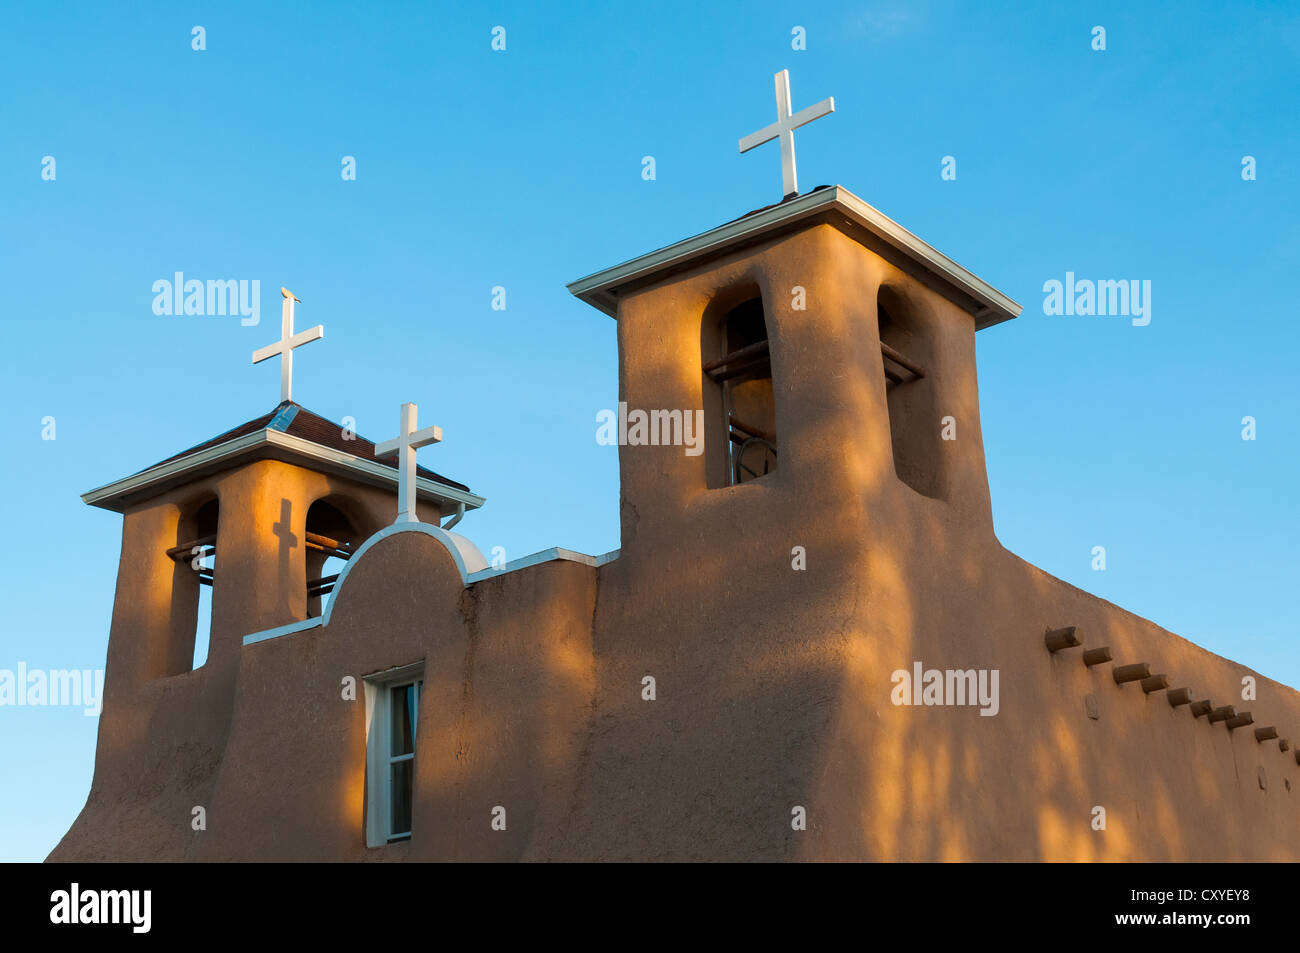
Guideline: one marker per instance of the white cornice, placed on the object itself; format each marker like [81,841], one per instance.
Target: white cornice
[602,289]
[120,494]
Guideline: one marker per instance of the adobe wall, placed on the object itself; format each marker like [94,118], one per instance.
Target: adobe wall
[504,714]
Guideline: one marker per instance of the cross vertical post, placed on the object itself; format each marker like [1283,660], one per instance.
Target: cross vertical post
[288,341]
[404,446]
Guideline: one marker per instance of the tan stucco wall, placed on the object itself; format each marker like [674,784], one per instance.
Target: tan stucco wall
[773,685]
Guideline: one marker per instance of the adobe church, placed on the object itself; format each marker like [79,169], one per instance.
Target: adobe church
[809,646]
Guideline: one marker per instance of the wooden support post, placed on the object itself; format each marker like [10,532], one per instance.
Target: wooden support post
[1179,696]
[1202,707]
[1132,673]
[1223,713]
[1057,639]
[1096,656]
[1264,734]
[1241,720]
[1156,683]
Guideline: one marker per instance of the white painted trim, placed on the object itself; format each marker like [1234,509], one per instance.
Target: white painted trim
[469,562]
[278,631]
[106,495]
[545,556]
[378,755]
[465,554]
[601,289]
[397,673]
[115,496]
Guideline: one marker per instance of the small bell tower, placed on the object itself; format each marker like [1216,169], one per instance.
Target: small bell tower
[258,514]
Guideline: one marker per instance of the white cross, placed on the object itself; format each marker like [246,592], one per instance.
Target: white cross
[404,446]
[288,341]
[784,128]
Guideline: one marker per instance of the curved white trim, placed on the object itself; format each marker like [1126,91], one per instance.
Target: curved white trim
[469,562]
[465,554]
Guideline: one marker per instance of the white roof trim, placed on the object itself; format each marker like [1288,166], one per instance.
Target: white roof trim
[280,630]
[464,553]
[115,496]
[601,290]
[545,556]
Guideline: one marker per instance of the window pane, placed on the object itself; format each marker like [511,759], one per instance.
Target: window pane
[403,780]
[404,711]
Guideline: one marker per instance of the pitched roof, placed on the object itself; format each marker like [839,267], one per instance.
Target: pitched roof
[297,421]
[833,205]
[290,431]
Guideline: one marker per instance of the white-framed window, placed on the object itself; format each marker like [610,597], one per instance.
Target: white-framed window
[392,717]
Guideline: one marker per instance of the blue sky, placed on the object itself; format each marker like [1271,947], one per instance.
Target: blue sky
[522,168]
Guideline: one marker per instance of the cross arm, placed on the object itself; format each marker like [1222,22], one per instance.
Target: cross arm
[815,111]
[766,134]
[426,436]
[271,350]
[306,337]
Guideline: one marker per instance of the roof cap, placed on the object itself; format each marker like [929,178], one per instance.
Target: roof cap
[830,204]
[291,433]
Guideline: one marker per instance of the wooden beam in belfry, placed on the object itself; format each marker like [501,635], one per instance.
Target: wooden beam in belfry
[901,360]
[1240,720]
[1265,733]
[185,551]
[751,430]
[736,370]
[743,353]
[1223,713]
[1202,707]
[1179,696]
